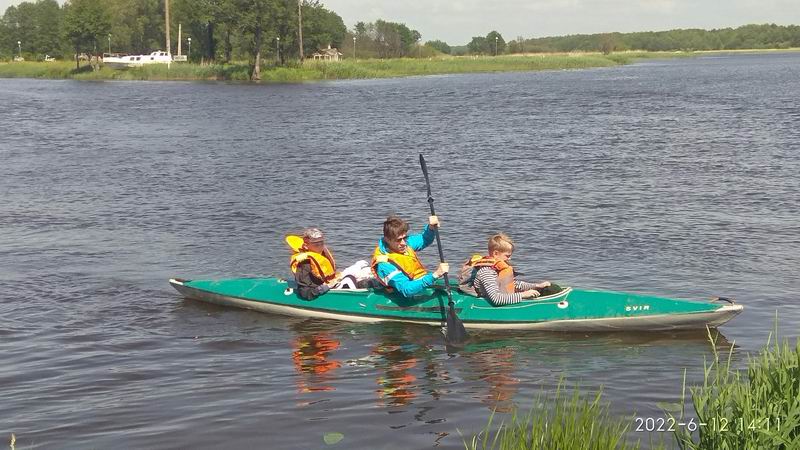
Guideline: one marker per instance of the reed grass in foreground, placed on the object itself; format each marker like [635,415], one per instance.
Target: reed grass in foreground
[756,410]
[570,422]
[316,70]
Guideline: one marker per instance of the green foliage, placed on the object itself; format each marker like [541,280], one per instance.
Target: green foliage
[478,46]
[85,23]
[439,45]
[137,26]
[759,410]
[213,27]
[321,27]
[226,30]
[257,19]
[37,25]
[382,39]
[497,45]
[491,44]
[566,422]
[744,37]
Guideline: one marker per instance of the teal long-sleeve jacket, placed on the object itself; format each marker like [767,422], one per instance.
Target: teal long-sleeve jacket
[395,278]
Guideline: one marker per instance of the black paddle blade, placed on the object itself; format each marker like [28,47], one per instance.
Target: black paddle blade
[456,333]
[425,172]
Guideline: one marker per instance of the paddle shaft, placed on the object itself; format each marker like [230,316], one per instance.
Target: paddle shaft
[455,333]
[436,230]
[441,253]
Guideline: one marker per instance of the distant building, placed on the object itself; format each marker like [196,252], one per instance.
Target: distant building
[328,54]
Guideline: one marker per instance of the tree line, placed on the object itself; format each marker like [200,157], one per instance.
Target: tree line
[221,30]
[270,30]
[744,37]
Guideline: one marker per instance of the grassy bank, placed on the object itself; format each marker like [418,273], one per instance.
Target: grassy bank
[733,409]
[757,408]
[565,422]
[347,69]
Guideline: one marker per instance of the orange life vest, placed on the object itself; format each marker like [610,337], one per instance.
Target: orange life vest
[407,263]
[505,273]
[323,266]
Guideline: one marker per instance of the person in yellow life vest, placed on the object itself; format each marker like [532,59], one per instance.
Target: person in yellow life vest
[312,264]
[395,263]
[492,277]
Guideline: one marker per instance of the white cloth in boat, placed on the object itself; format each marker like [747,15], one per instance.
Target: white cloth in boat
[355,275]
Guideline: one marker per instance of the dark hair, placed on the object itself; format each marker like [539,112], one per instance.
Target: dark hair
[394,227]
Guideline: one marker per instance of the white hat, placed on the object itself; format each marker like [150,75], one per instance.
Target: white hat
[313,235]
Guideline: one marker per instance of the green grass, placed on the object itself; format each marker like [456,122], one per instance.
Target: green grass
[316,70]
[566,422]
[754,409]
[757,408]
[36,69]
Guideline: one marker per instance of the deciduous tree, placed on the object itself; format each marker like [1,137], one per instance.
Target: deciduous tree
[440,46]
[84,22]
[257,21]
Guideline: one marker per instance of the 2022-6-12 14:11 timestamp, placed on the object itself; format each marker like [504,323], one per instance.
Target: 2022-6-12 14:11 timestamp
[716,424]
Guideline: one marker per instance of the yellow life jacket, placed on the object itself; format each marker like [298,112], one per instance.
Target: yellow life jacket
[323,266]
[505,273]
[407,263]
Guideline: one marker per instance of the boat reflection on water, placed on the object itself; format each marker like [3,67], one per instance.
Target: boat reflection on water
[397,385]
[410,365]
[313,360]
[401,364]
[496,367]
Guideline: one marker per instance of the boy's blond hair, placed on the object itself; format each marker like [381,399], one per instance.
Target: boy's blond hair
[500,242]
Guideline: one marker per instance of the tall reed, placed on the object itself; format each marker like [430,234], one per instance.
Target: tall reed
[565,422]
[759,409]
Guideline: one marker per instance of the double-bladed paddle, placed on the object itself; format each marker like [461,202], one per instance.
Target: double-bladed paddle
[456,333]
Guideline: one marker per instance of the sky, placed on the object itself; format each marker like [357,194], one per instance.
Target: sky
[457,21]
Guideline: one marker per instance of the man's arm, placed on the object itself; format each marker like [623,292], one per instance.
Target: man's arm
[422,240]
[397,280]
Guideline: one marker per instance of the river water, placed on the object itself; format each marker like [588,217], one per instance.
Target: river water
[676,177]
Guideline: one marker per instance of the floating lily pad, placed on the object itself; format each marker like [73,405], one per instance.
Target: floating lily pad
[669,407]
[332,438]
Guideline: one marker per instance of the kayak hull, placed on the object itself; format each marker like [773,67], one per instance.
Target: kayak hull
[570,310]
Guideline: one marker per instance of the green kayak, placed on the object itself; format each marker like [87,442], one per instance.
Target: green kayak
[569,310]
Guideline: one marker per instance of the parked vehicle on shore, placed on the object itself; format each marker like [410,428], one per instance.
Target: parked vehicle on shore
[117,61]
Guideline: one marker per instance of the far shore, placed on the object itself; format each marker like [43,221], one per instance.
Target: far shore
[346,69]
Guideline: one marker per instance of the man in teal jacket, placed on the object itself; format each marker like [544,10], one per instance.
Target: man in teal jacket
[395,263]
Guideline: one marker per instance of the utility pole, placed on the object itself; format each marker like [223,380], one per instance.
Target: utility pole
[300,26]
[166,17]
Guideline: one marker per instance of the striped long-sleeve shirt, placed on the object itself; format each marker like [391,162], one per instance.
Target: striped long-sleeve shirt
[486,286]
